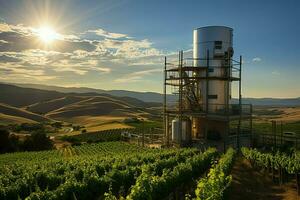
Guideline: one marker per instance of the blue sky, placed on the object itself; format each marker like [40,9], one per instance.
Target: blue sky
[121,44]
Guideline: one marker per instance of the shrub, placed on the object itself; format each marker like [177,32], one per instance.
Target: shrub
[37,141]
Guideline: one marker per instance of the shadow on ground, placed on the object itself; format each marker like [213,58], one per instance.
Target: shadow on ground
[250,184]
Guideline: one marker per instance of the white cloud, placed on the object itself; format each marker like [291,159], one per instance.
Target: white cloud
[136,76]
[4,27]
[130,49]
[275,73]
[75,53]
[256,59]
[107,34]
[17,72]
[78,67]
[100,69]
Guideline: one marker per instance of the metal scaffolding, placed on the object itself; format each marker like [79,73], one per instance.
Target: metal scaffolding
[183,77]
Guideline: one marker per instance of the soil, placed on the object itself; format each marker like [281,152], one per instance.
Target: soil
[250,183]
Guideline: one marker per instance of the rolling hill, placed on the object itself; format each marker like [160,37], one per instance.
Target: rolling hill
[10,114]
[19,97]
[93,106]
[10,119]
[19,105]
[143,96]
[45,107]
[157,97]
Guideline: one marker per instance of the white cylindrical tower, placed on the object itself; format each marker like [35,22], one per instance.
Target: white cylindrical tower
[217,42]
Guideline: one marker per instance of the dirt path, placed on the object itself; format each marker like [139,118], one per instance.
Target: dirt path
[254,184]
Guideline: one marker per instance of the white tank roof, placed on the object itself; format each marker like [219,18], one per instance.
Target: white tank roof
[213,33]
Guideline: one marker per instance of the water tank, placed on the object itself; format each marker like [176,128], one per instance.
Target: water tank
[186,130]
[217,41]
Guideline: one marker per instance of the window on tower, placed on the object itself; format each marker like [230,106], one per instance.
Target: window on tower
[218,44]
[213,96]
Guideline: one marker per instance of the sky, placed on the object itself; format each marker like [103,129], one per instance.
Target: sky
[121,44]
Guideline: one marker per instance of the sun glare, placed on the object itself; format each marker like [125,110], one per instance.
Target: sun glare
[47,34]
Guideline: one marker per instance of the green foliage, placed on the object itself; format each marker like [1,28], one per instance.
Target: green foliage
[71,139]
[145,124]
[110,170]
[106,135]
[57,125]
[3,140]
[217,181]
[29,127]
[98,136]
[276,160]
[8,142]
[36,142]
[152,185]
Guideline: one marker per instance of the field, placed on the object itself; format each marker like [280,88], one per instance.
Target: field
[118,170]
[277,113]
[104,170]
[289,117]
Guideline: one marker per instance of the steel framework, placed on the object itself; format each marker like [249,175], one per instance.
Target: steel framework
[181,78]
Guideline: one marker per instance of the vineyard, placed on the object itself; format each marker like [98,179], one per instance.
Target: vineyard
[218,179]
[109,170]
[116,135]
[119,170]
[279,165]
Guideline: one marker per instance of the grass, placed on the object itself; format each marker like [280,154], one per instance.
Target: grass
[145,124]
[267,127]
[10,119]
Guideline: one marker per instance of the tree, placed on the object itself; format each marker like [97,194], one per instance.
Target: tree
[4,141]
[57,124]
[37,141]
[14,144]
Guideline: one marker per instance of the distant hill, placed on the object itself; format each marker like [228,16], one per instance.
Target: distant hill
[15,115]
[93,106]
[74,106]
[10,119]
[19,97]
[157,97]
[271,101]
[18,105]
[22,96]
[143,96]
[45,107]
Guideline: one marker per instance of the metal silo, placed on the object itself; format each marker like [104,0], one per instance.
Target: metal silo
[202,87]
[183,135]
[210,45]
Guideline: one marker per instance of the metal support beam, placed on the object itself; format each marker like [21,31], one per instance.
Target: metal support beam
[180,94]
[167,130]
[165,103]
[240,104]
[207,82]
[251,126]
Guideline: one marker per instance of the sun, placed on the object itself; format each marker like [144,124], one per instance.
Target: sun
[47,34]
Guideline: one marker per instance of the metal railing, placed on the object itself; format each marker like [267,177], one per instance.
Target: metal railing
[217,109]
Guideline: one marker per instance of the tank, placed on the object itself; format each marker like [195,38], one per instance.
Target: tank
[217,41]
[186,130]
